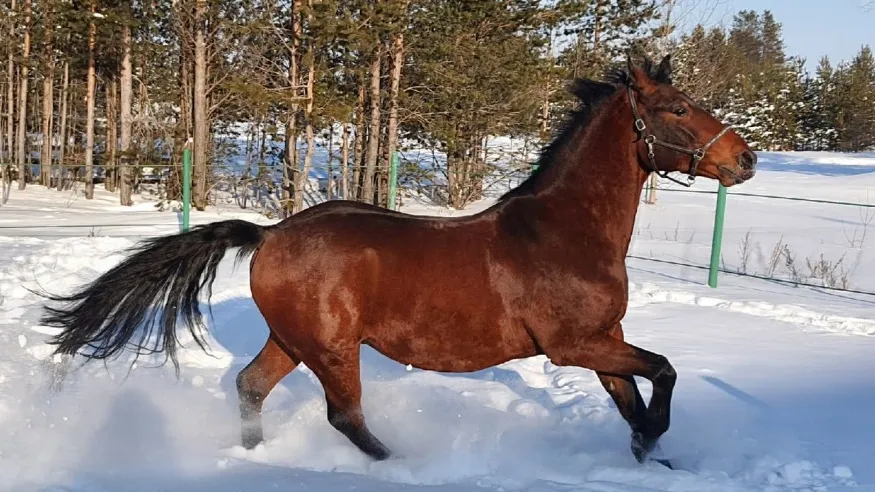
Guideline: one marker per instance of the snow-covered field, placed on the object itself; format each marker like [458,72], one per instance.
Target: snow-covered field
[775,391]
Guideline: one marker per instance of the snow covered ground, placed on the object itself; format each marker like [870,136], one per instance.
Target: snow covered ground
[775,388]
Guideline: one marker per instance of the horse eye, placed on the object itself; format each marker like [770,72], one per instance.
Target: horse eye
[680,111]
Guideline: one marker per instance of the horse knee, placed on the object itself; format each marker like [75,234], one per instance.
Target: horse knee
[665,375]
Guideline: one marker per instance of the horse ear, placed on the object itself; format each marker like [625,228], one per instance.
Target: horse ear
[638,78]
[663,72]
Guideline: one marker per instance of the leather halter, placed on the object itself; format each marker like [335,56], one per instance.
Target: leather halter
[650,140]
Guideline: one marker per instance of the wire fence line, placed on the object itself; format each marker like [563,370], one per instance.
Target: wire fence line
[630,256]
[753,275]
[826,274]
[44,231]
[776,197]
[84,226]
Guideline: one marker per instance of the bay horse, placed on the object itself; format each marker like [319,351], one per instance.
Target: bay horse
[542,271]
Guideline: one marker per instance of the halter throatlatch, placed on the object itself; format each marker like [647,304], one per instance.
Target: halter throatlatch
[650,140]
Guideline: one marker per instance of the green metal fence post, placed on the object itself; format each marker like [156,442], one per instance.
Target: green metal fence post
[393,180]
[186,188]
[717,240]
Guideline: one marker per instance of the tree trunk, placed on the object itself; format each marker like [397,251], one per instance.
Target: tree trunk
[330,195]
[110,153]
[597,31]
[10,93]
[262,172]
[250,156]
[394,89]
[344,163]
[2,149]
[125,175]
[651,195]
[22,98]
[10,111]
[373,131]
[358,144]
[304,175]
[73,172]
[186,126]
[65,88]
[45,159]
[89,118]
[453,178]
[34,121]
[201,121]
[290,164]
[545,117]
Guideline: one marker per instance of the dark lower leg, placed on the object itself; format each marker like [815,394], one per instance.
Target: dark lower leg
[351,423]
[341,380]
[254,384]
[624,391]
[630,404]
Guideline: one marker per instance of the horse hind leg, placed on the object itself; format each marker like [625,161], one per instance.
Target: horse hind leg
[255,382]
[339,373]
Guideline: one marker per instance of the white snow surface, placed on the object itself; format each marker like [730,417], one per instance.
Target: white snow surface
[775,389]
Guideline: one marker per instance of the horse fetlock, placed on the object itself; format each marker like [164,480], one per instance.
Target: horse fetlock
[250,399]
[642,445]
[657,423]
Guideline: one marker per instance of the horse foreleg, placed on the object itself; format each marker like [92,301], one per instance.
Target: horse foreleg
[624,391]
[616,362]
[255,382]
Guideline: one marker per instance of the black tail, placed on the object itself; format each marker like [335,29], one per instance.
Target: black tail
[160,282]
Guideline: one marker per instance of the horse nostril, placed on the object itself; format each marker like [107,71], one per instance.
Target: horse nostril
[747,159]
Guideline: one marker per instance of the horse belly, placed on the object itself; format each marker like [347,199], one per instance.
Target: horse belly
[451,343]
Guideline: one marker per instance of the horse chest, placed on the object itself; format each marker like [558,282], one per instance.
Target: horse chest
[565,299]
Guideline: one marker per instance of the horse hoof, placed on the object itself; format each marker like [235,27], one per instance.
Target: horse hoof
[641,446]
[663,462]
[381,455]
[250,441]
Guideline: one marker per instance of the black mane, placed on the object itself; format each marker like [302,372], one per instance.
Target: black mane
[590,95]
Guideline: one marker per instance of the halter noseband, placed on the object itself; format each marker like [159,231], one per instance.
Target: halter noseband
[651,140]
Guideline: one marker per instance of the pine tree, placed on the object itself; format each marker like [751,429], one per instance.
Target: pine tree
[788,99]
[859,131]
[703,66]
[816,117]
[603,30]
[475,76]
[745,38]
[771,43]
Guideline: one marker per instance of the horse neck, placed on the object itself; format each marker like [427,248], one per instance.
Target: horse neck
[594,187]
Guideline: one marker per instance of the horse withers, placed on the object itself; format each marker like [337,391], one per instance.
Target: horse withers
[542,271]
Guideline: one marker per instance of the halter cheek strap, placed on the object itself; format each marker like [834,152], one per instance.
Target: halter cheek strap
[650,140]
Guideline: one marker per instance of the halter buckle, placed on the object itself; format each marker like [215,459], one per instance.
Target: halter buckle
[639,125]
[699,154]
